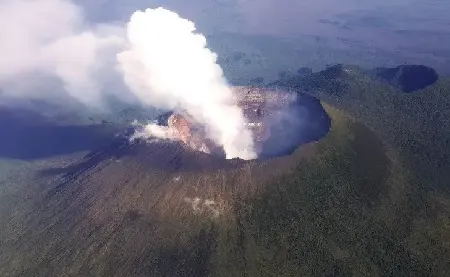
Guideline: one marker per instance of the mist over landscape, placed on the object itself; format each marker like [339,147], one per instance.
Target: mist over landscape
[224,138]
[316,33]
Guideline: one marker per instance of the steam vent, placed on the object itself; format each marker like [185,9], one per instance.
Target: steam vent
[280,122]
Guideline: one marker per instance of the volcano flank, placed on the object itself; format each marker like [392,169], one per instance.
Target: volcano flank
[174,211]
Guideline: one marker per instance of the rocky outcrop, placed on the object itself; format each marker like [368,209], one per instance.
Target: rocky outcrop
[191,135]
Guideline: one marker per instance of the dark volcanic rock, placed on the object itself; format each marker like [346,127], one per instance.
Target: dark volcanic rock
[165,156]
[408,78]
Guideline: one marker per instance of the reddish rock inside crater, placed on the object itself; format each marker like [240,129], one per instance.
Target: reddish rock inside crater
[260,107]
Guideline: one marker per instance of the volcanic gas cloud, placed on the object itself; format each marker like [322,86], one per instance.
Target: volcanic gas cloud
[167,65]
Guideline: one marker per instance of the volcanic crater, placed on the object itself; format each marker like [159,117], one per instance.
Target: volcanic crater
[280,121]
[283,123]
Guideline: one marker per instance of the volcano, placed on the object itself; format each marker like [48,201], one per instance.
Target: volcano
[327,196]
[164,209]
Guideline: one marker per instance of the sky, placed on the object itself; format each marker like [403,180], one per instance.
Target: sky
[384,23]
[282,17]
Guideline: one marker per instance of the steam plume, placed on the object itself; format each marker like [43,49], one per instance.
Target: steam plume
[168,66]
[47,43]
[152,131]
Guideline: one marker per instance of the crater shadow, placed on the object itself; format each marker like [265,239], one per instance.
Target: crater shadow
[27,135]
[302,121]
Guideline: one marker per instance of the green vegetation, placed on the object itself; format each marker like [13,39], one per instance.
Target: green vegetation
[350,210]
[347,212]
[416,123]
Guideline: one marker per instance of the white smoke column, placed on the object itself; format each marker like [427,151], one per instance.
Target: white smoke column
[168,66]
[152,132]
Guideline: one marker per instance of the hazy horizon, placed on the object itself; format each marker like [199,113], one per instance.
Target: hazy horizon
[419,31]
